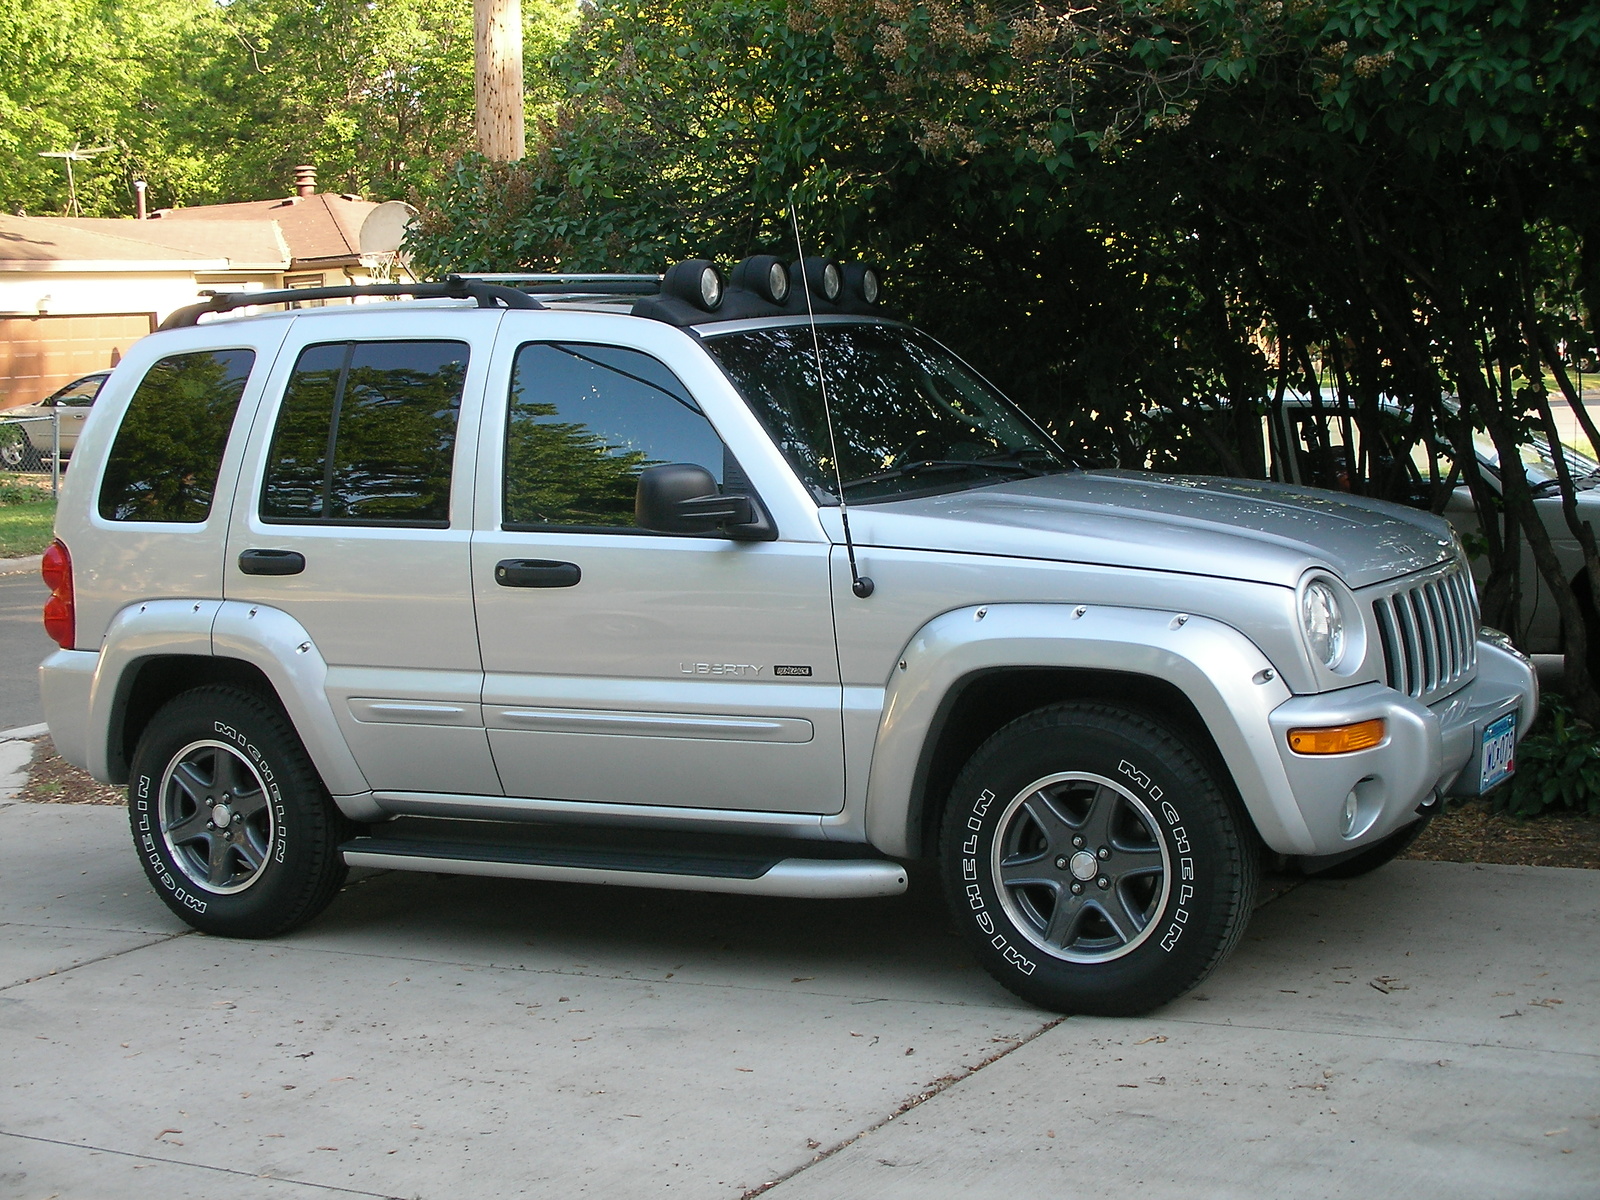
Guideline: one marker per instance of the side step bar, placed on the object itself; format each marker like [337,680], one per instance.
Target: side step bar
[652,867]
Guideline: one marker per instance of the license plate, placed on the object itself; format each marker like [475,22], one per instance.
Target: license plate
[1499,752]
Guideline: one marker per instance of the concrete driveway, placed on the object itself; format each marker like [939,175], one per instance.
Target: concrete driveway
[1430,1031]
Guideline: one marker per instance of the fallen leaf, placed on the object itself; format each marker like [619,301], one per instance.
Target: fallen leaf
[1154,1037]
[813,1144]
[911,1049]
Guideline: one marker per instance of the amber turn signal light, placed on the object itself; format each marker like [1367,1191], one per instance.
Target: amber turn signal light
[1337,739]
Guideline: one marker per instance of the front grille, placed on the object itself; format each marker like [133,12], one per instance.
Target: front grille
[1430,633]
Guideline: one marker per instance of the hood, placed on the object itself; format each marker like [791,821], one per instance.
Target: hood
[1231,528]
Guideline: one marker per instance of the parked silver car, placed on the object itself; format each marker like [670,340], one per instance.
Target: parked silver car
[689,588]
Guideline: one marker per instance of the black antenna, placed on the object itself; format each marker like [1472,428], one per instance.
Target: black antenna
[859,583]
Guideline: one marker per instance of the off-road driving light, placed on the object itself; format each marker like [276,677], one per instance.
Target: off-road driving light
[863,281]
[765,275]
[698,281]
[1337,739]
[1322,622]
[822,277]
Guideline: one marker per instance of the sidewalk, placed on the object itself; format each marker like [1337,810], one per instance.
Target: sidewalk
[1432,1030]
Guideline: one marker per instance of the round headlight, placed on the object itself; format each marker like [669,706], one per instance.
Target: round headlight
[778,282]
[832,281]
[1323,623]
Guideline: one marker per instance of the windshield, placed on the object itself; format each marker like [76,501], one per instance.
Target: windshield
[1539,463]
[908,415]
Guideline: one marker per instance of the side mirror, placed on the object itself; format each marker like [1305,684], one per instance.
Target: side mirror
[683,498]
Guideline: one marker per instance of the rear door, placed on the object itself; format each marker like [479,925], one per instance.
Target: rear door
[355,518]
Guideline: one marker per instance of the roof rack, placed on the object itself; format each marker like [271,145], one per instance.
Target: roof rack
[596,284]
[455,287]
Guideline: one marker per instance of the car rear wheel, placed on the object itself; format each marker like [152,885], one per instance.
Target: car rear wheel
[1094,862]
[236,832]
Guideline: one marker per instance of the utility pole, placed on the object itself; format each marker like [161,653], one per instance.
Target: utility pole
[499,79]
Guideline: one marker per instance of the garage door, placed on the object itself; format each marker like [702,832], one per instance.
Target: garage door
[39,354]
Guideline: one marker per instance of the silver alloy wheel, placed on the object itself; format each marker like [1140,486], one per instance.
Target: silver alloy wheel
[1080,867]
[215,818]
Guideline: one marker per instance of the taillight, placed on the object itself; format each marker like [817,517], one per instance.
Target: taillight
[60,611]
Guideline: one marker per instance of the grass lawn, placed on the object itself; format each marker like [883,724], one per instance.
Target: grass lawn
[26,528]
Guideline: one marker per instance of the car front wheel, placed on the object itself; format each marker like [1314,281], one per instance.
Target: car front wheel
[1094,862]
[236,832]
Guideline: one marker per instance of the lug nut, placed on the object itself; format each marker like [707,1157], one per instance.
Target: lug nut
[1104,853]
[1061,864]
[1077,889]
[1078,842]
[1103,882]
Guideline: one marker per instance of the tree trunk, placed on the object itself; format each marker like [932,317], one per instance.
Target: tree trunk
[499,122]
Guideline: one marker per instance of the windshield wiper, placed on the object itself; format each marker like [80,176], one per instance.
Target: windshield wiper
[1049,463]
[926,466]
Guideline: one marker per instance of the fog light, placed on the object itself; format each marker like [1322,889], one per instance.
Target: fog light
[1337,739]
[1347,824]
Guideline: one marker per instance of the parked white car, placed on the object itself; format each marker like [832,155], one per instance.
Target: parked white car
[67,405]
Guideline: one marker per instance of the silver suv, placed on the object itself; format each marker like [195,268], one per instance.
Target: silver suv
[592,579]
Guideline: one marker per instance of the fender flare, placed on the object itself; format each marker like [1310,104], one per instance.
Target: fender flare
[266,638]
[1225,676]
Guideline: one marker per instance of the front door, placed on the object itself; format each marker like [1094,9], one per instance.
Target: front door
[625,666]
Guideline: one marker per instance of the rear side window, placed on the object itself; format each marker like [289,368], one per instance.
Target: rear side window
[163,464]
[366,435]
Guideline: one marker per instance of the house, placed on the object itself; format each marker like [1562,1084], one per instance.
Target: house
[75,291]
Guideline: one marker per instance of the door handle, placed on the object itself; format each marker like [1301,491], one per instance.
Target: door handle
[271,562]
[536,572]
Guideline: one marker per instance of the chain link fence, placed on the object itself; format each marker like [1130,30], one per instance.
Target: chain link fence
[31,445]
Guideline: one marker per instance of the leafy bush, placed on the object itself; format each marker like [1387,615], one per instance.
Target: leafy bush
[1558,767]
[16,490]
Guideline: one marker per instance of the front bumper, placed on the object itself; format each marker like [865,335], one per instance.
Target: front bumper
[1428,751]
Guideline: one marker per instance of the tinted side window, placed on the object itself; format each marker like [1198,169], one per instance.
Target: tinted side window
[584,421]
[163,464]
[366,434]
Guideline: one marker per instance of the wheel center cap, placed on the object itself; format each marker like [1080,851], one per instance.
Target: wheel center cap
[222,817]
[1084,865]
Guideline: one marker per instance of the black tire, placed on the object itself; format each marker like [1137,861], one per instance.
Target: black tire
[224,754]
[1074,794]
[1373,857]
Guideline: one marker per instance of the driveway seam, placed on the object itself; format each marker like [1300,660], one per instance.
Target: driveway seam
[56,974]
[943,1084]
[178,1162]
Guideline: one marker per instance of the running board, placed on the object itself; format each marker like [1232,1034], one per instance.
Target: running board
[647,866]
